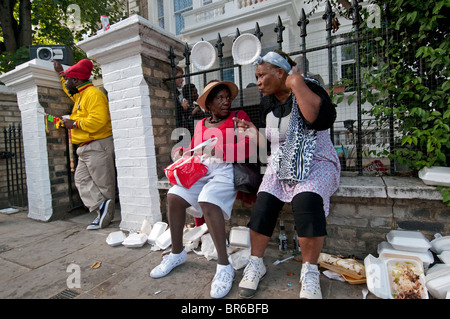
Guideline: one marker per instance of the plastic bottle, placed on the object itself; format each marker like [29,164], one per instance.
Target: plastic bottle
[295,240]
[283,243]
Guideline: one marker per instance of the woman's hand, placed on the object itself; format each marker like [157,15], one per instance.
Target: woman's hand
[249,130]
[177,155]
[185,104]
[196,110]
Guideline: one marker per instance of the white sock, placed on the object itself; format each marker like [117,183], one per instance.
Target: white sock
[256,258]
[220,267]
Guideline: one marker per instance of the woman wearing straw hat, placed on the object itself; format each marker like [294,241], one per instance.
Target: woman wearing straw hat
[303,168]
[213,195]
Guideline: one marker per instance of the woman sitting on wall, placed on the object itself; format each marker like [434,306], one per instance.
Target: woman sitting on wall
[213,195]
[303,168]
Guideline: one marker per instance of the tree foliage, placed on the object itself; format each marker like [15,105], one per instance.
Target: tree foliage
[25,22]
[408,82]
[412,82]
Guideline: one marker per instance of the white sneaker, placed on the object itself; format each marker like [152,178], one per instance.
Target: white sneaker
[222,282]
[310,281]
[253,273]
[168,263]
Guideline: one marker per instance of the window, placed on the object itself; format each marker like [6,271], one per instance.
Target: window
[344,67]
[206,2]
[161,13]
[180,6]
[228,74]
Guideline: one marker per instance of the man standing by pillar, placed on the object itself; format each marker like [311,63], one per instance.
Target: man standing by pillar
[90,125]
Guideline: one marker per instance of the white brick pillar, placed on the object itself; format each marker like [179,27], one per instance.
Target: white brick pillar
[120,51]
[24,80]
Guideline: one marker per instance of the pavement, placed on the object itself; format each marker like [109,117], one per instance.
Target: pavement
[62,259]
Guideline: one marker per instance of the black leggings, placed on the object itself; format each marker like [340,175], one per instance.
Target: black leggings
[307,207]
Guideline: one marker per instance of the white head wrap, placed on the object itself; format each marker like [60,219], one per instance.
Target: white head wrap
[275,59]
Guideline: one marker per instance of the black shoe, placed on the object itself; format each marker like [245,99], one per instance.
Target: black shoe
[106,213]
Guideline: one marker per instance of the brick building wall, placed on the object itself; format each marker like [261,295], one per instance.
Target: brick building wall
[162,110]
[361,214]
[38,91]
[64,193]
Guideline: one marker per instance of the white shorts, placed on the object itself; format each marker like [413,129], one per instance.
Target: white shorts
[216,187]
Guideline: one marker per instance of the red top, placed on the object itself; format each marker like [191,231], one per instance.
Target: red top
[226,147]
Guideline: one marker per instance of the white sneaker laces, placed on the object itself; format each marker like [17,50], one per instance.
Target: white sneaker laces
[251,271]
[310,279]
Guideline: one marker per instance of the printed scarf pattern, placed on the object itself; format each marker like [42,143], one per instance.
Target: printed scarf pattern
[293,158]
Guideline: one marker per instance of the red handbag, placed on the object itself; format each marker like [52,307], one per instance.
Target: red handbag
[186,171]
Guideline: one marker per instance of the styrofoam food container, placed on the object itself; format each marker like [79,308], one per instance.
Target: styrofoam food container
[157,230]
[164,240]
[408,240]
[146,227]
[135,240]
[379,274]
[115,238]
[445,256]
[426,257]
[240,236]
[239,259]
[438,280]
[440,244]
[435,175]
[195,233]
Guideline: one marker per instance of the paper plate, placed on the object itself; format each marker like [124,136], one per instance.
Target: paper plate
[203,55]
[246,49]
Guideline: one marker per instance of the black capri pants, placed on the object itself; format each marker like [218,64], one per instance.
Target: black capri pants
[307,207]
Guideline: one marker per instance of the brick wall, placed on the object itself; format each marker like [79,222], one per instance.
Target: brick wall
[64,193]
[133,55]
[162,110]
[38,90]
[357,223]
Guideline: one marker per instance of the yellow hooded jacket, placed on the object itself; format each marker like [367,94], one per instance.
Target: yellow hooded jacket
[91,113]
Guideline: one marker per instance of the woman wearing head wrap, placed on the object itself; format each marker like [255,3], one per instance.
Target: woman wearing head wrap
[303,168]
[213,195]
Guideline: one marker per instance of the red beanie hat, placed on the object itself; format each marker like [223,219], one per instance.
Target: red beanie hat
[82,70]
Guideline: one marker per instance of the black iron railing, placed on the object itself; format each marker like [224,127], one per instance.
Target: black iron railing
[353,144]
[13,160]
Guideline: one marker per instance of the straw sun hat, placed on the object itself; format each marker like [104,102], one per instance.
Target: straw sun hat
[202,98]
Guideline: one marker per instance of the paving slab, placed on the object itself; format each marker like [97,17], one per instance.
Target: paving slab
[35,261]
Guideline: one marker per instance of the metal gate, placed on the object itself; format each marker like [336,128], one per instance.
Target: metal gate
[355,137]
[13,160]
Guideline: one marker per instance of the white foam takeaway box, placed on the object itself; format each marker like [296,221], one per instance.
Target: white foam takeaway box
[440,244]
[445,256]
[240,236]
[195,233]
[426,257]
[164,240]
[438,281]
[135,240]
[435,175]
[380,274]
[408,240]
[157,230]
[115,238]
